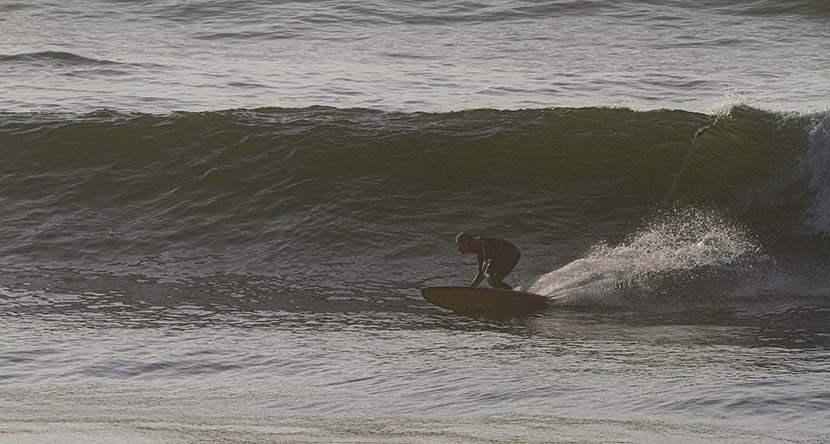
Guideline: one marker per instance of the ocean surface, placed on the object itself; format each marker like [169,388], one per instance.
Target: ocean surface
[216,217]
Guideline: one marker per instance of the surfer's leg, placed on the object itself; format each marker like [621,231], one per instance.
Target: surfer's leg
[497,271]
[497,283]
[508,265]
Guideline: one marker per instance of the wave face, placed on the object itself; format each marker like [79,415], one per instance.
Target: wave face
[369,199]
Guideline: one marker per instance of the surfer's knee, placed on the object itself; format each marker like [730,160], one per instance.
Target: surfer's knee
[497,283]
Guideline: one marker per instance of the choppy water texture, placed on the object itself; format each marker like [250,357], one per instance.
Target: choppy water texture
[174,270]
[157,56]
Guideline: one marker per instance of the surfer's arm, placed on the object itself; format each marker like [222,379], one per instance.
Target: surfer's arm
[483,263]
[478,278]
[482,271]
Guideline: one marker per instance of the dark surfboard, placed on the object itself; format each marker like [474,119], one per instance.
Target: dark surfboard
[484,300]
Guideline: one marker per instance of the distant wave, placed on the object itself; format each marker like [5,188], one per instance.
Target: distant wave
[807,8]
[54,57]
[380,13]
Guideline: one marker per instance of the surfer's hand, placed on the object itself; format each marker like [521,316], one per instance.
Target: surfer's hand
[485,265]
[478,278]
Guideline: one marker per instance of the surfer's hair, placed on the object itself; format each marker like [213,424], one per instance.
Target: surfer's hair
[463,238]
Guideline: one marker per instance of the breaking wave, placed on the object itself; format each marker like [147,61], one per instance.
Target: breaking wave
[357,196]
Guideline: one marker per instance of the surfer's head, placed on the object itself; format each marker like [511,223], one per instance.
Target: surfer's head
[465,242]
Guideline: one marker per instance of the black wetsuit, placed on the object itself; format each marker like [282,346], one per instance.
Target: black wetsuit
[503,257]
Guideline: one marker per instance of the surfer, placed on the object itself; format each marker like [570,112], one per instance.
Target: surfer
[496,258]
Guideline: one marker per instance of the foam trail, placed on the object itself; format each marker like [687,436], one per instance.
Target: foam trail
[688,240]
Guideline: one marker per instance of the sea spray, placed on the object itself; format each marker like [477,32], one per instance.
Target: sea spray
[682,244]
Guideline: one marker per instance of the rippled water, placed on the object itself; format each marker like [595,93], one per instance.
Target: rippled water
[157,56]
[206,237]
[254,375]
[132,359]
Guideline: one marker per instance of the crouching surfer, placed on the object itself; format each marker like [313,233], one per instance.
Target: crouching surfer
[496,258]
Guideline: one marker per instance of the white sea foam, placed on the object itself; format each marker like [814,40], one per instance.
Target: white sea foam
[815,165]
